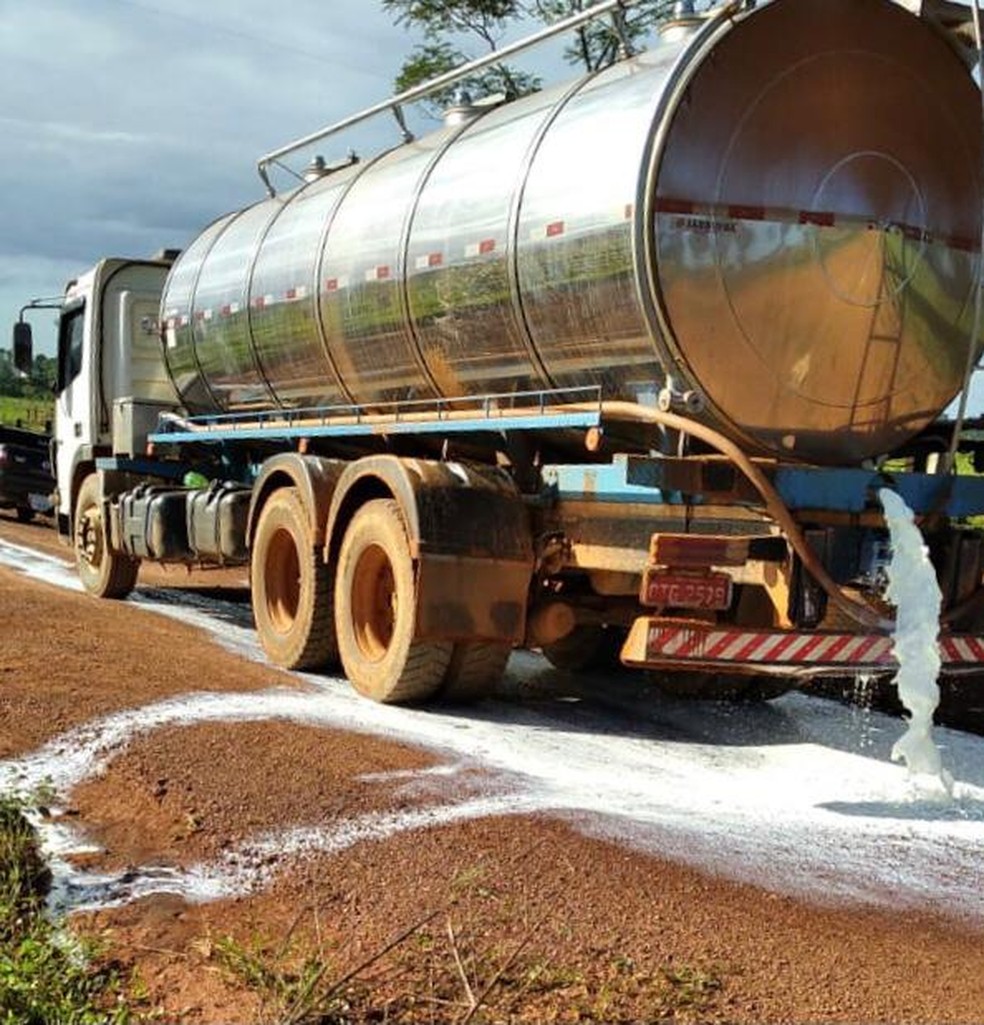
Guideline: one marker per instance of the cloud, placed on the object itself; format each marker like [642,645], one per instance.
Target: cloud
[126,126]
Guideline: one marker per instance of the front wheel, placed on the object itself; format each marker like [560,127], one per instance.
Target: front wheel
[104,573]
[376,609]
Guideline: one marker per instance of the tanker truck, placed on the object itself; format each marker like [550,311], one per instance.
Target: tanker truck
[614,371]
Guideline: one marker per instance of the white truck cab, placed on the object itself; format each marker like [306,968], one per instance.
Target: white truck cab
[109,352]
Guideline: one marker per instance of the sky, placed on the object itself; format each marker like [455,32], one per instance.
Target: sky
[126,126]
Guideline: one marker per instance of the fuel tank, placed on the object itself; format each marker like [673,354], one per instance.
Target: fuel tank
[773,218]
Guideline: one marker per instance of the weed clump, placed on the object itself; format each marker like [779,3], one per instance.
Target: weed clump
[46,975]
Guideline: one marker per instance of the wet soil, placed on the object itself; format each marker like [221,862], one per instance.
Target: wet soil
[545,923]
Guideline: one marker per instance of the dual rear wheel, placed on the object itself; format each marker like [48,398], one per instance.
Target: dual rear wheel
[363,614]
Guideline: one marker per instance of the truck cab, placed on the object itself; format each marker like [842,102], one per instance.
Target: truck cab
[109,352]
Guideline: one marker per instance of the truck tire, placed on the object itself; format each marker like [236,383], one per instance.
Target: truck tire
[376,603]
[103,573]
[589,648]
[474,670]
[291,587]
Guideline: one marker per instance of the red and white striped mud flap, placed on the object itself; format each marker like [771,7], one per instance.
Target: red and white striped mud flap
[656,643]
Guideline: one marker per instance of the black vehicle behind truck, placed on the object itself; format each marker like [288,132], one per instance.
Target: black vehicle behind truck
[26,482]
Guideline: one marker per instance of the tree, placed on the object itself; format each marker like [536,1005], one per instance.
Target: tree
[445,21]
[447,25]
[600,42]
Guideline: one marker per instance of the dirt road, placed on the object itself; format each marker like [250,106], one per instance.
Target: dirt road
[535,915]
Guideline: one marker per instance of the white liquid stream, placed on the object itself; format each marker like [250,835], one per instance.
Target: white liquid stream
[915,593]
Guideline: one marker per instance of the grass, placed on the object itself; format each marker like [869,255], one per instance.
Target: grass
[454,967]
[47,977]
[34,414]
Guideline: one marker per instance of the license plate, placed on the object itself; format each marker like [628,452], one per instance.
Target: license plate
[666,589]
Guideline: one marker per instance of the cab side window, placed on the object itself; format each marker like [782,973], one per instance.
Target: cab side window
[70,333]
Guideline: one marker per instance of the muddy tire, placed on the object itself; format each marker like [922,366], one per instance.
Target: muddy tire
[103,573]
[291,587]
[586,649]
[376,604]
[474,670]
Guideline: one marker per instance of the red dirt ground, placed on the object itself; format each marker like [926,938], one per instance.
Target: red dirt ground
[558,926]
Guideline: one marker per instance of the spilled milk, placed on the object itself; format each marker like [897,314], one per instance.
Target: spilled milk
[915,593]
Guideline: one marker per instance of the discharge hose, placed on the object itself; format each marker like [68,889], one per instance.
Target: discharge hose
[774,505]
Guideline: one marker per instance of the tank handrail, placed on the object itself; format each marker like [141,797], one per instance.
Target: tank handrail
[395,103]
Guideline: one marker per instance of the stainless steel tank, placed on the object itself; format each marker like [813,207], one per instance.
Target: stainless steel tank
[778,214]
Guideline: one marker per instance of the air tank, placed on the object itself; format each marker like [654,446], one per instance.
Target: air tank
[772,219]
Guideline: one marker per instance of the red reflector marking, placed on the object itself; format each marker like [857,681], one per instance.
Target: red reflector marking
[746,213]
[821,218]
[331,285]
[555,229]
[629,210]
[226,310]
[674,206]
[435,259]
[382,273]
[259,302]
[487,245]
[777,649]
[291,293]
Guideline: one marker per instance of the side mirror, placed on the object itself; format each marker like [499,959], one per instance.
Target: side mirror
[23,347]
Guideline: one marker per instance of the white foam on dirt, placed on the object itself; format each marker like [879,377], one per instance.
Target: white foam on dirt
[798,796]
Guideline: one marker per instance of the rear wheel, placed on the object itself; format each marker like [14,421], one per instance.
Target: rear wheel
[103,573]
[291,587]
[376,603]
[474,670]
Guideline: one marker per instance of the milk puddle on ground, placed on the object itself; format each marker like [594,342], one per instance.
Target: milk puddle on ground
[915,593]
[787,796]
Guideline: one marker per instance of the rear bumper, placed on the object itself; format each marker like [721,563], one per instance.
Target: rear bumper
[25,489]
[656,643]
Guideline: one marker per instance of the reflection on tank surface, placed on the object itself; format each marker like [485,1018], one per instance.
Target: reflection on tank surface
[742,215]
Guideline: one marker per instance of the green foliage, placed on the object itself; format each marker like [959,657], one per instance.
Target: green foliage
[292,990]
[36,384]
[46,976]
[598,44]
[34,414]
[444,23]
[432,59]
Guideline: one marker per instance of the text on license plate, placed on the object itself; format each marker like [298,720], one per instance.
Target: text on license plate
[665,589]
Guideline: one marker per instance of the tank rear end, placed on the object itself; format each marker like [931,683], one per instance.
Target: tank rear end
[816,202]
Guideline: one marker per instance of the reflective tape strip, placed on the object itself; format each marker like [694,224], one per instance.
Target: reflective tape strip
[381,273]
[708,216]
[334,284]
[300,292]
[769,647]
[962,649]
[755,646]
[429,260]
